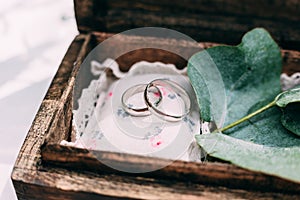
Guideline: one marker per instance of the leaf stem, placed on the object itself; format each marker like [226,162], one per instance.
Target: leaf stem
[247,117]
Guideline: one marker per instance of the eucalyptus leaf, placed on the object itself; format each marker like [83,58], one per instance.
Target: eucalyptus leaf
[250,73]
[287,97]
[290,118]
[290,103]
[251,76]
[265,129]
[282,162]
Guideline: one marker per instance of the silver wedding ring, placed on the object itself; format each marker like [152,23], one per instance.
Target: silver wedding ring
[175,92]
[154,99]
[142,110]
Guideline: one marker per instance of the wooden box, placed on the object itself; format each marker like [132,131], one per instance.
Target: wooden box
[47,170]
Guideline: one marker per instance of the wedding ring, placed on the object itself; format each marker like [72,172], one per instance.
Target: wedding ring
[175,93]
[141,110]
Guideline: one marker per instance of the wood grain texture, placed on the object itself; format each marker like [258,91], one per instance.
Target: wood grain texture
[29,157]
[46,170]
[207,173]
[57,183]
[291,61]
[222,21]
[61,125]
[291,58]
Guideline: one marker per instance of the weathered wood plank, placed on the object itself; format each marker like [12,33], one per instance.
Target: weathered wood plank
[60,81]
[29,155]
[61,126]
[274,9]
[291,59]
[208,173]
[66,184]
[215,21]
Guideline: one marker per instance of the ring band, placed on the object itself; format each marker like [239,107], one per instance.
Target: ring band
[135,111]
[177,91]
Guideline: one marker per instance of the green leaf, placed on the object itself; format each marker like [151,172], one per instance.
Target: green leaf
[287,97]
[265,129]
[290,118]
[282,162]
[251,78]
[249,73]
[290,103]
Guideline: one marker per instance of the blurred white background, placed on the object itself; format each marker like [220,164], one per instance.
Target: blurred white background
[34,36]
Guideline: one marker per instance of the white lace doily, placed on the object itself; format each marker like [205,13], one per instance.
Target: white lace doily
[288,82]
[101,126]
